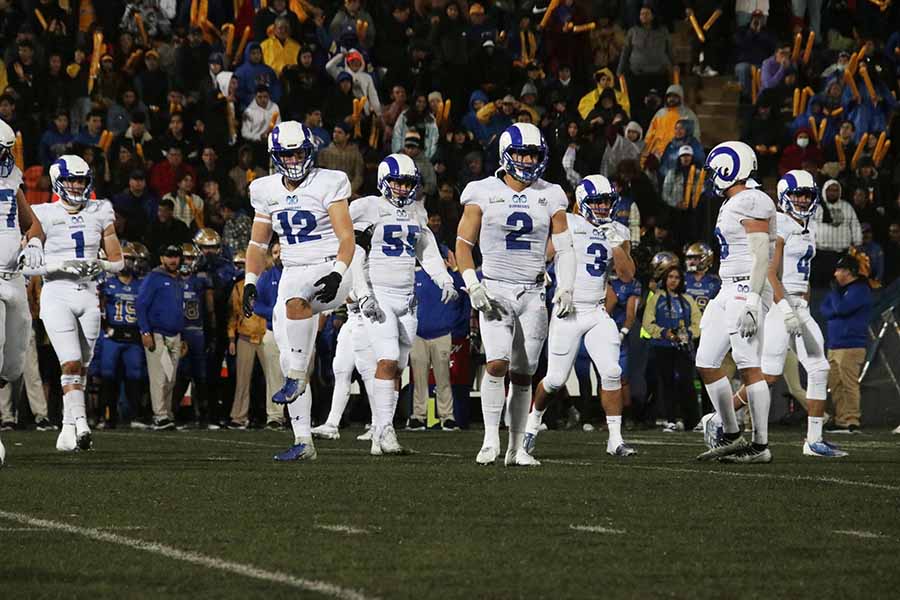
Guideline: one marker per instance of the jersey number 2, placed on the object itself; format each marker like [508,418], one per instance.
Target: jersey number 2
[803,263]
[304,220]
[525,225]
[598,267]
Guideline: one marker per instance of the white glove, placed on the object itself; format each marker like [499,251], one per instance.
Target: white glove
[748,322]
[622,333]
[69,267]
[32,255]
[370,309]
[448,293]
[613,237]
[91,269]
[791,320]
[478,295]
[564,303]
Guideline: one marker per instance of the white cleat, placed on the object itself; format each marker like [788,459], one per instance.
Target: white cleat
[896,431]
[487,455]
[389,443]
[366,435]
[326,432]
[66,440]
[520,458]
[2,454]
[622,450]
[823,449]
[724,447]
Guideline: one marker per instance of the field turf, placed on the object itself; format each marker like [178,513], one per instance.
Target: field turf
[209,515]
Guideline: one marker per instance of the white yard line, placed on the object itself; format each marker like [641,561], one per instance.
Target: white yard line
[342,529]
[595,529]
[196,558]
[868,535]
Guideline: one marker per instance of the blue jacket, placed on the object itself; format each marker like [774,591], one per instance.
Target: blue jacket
[53,145]
[160,303]
[250,75]
[435,318]
[267,294]
[847,310]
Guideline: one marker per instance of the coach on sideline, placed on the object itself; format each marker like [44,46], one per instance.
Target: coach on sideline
[160,313]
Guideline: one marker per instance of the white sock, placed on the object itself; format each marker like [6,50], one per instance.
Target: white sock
[814,429]
[77,410]
[339,398]
[739,413]
[535,418]
[67,418]
[519,403]
[614,424]
[370,396]
[760,399]
[383,399]
[492,399]
[301,337]
[299,411]
[720,395]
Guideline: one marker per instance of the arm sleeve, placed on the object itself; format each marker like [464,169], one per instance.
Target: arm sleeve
[332,67]
[855,229]
[649,321]
[430,258]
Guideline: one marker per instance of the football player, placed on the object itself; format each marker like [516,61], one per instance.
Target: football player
[75,228]
[307,207]
[199,327]
[745,230]
[511,215]
[122,349]
[16,217]
[597,240]
[400,236]
[622,301]
[700,284]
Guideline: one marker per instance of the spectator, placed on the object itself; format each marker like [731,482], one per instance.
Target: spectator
[56,141]
[412,147]
[280,50]
[873,250]
[662,127]
[802,152]
[892,254]
[188,206]
[623,144]
[492,67]
[607,42]
[683,137]
[245,336]
[305,86]
[339,102]
[236,233]
[420,118]
[166,230]
[161,320]
[137,131]
[213,206]
[605,80]
[165,175]
[677,177]
[137,204]
[753,44]
[253,73]
[837,229]
[258,120]
[847,309]
[776,67]
[266,18]
[244,171]
[672,319]
[392,112]
[765,133]
[363,85]
[152,83]
[93,127]
[647,56]
[342,155]
[267,288]
[176,135]
[313,121]
[191,60]
[347,18]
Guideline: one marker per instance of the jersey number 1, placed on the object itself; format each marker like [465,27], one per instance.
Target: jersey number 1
[78,236]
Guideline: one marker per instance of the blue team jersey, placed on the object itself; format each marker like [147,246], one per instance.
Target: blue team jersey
[195,288]
[120,297]
[702,291]
[623,292]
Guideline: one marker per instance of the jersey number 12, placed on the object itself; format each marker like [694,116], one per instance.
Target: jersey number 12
[304,220]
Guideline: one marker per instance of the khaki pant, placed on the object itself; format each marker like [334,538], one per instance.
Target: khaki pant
[246,353]
[436,354]
[792,378]
[161,387]
[845,364]
[34,386]
[274,377]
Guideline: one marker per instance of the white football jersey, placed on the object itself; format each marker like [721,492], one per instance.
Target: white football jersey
[515,227]
[799,251]
[10,234]
[593,251]
[397,231]
[734,249]
[300,218]
[71,236]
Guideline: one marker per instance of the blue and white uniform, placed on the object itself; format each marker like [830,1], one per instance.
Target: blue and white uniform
[16,316]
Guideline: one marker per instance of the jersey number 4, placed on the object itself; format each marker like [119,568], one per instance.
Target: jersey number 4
[393,240]
[723,244]
[9,196]
[303,220]
[524,225]
[804,262]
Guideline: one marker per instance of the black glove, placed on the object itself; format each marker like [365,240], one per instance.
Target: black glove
[249,299]
[330,284]
[364,238]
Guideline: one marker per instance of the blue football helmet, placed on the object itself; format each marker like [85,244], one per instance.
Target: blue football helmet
[395,172]
[523,139]
[287,139]
[7,141]
[596,199]
[798,194]
[729,164]
[67,174]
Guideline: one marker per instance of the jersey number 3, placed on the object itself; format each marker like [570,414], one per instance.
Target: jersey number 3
[522,221]
[305,222]
[598,267]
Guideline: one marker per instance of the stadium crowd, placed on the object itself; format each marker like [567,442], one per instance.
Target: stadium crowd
[171,103]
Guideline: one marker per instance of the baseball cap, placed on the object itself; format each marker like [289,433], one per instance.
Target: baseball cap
[412,141]
[137,174]
[344,76]
[172,250]
[685,151]
[354,55]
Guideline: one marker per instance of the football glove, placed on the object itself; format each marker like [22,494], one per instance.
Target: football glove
[249,299]
[32,255]
[370,309]
[748,322]
[565,305]
[448,293]
[791,320]
[329,287]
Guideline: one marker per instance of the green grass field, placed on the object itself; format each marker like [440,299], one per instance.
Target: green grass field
[209,515]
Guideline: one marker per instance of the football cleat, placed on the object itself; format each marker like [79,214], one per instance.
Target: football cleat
[823,449]
[529,442]
[2,454]
[520,458]
[301,450]
[288,393]
[84,441]
[711,426]
[723,447]
[326,432]
[487,455]
[65,441]
[748,454]
[388,441]
[622,449]
[44,425]
[366,435]
[896,431]
[163,425]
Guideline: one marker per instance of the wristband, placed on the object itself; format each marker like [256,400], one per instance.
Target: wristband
[250,278]
[624,331]
[35,242]
[785,306]
[339,268]
[470,278]
[754,299]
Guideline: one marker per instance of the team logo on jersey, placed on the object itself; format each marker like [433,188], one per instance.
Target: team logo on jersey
[495,200]
[519,199]
[292,200]
[542,202]
[76,220]
[599,234]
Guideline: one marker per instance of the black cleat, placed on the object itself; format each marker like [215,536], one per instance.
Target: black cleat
[85,441]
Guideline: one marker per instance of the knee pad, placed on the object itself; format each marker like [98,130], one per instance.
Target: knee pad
[817,381]
[71,380]
[611,377]
[553,382]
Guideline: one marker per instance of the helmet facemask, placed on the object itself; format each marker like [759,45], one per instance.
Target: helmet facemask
[598,210]
[294,163]
[800,202]
[75,190]
[7,162]
[399,190]
[525,163]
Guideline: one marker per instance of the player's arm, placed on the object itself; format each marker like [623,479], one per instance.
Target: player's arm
[260,234]
[625,267]
[339,212]
[114,261]
[631,311]
[561,238]
[430,258]
[32,256]
[611,300]
[758,241]
[466,234]
[774,274]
